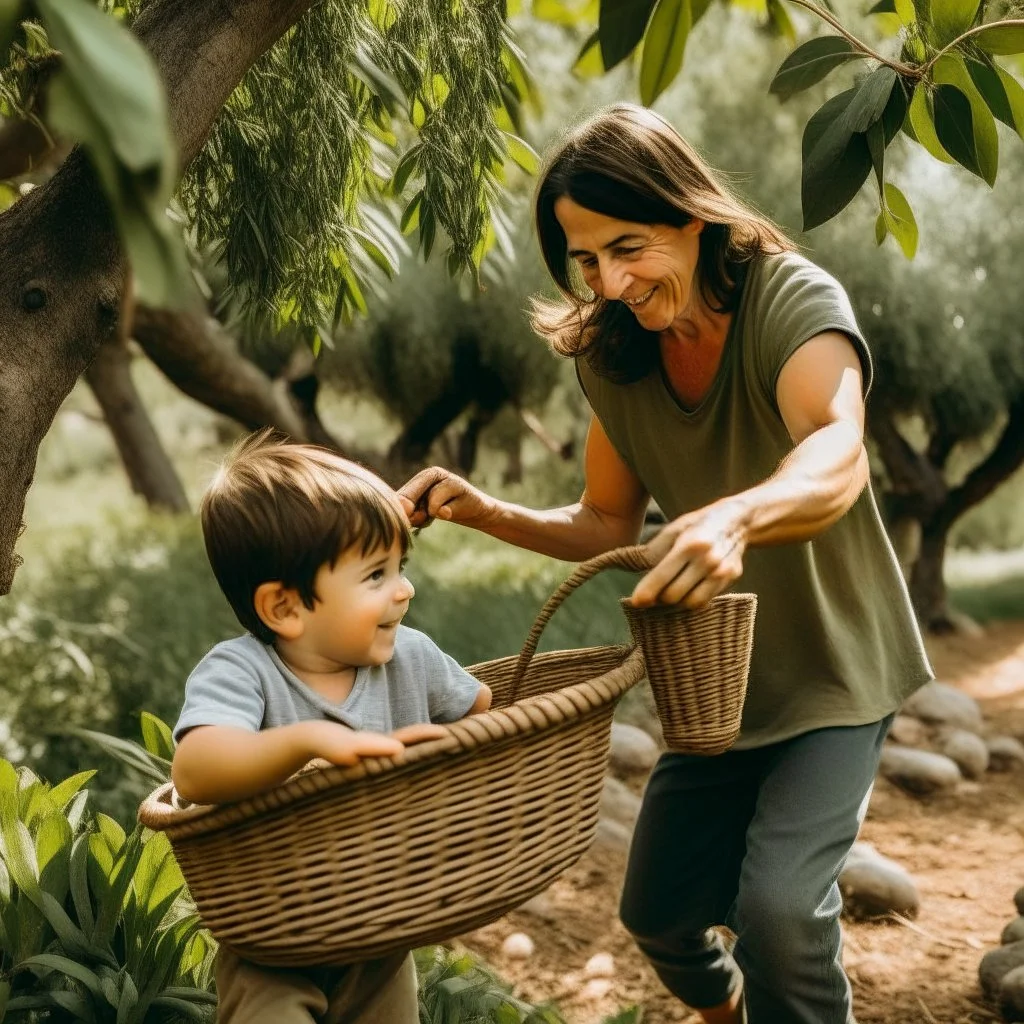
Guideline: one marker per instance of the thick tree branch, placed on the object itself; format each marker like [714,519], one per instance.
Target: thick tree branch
[64,272]
[204,49]
[916,486]
[1001,463]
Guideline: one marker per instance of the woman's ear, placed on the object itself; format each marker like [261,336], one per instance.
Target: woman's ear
[279,607]
[694,226]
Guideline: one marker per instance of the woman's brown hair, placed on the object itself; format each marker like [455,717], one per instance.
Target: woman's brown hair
[629,163]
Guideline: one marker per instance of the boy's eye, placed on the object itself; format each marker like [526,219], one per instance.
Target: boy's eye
[377,575]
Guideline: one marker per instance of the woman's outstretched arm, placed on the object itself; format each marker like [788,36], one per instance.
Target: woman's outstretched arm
[609,514]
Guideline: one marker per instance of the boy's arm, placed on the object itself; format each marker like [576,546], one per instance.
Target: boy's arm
[482,702]
[219,763]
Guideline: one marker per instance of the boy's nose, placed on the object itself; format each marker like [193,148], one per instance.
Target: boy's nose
[406,591]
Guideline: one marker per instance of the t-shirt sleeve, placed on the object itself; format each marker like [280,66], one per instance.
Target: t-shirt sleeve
[801,301]
[223,689]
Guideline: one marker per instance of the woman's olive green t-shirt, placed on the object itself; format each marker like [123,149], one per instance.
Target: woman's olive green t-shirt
[835,638]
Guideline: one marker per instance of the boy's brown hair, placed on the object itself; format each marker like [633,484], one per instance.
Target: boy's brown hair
[280,511]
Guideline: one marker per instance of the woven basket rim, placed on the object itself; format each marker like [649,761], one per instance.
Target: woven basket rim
[716,604]
[157,812]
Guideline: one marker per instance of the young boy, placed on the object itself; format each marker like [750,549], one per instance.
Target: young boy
[309,550]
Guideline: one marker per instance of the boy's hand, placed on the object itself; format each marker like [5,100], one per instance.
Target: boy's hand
[340,745]
[419,733]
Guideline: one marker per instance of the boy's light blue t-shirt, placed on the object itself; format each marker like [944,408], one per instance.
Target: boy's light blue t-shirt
[245,684]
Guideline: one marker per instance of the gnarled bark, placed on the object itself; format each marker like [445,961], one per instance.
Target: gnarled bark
[150,470]
[919,492]
[59,255]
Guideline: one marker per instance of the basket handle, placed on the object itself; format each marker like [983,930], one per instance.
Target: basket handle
[636,558]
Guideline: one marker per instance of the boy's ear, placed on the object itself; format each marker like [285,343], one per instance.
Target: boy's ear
[278,608]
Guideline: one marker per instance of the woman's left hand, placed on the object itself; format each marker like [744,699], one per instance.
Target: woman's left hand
[699,555]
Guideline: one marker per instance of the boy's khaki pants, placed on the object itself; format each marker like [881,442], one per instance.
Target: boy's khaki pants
[375,992]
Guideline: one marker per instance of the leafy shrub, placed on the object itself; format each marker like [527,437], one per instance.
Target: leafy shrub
[95,924]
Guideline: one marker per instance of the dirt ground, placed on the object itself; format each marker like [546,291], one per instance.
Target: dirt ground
[965,850]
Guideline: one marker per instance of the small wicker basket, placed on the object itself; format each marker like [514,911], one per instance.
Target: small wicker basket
[697,659]
[338,865]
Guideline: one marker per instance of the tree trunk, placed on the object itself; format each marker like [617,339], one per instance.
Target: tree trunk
[59,252]
[920,493]
[927,581]
[150,470]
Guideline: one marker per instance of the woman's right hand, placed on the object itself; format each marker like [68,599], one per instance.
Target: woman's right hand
[435,493]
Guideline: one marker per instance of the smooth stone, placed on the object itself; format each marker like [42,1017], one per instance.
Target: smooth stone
[619,802]
[600,965]
[968,749]
[996,964]
[612,836]
[1018,900]
[518,946]
[1005,753]
[1011,995]
[908,731]
[918,771]
[873,885]
[1013,932]
[944,705]
[632,750]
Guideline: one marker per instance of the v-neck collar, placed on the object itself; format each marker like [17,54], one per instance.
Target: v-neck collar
[721,372]
[340,711]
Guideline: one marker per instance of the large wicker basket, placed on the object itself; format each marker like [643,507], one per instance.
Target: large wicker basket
[345,864]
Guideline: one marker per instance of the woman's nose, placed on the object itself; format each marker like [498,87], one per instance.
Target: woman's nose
[614,280]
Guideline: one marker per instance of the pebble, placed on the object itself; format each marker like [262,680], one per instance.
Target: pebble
[518,946]
[632,750]
[600,965]
[968,749]
[873,885]
[944,705]
[1005,753]
[918,771]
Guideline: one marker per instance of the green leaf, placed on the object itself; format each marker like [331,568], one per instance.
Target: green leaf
[156,770]
[129,999]
[621,26]
[78,876]
[850,113]
[780,21]
[588,63]
[883,7]
[108,95]
[951,18]
[411,216]
[922,124]
[881,231]
[954,126]
[73,969]
[809,63]
[1001,92]
[62,793]
[1001,40]
[827,186]
[951,71]
[156,736]
[664,45]
[53,853]
[180,1007]
[522,153]
[899,219]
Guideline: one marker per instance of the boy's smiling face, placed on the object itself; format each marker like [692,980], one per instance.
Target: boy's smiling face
[360,601]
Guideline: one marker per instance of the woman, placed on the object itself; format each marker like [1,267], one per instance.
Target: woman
[727,377]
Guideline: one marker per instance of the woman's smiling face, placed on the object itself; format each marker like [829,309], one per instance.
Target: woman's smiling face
[650,267]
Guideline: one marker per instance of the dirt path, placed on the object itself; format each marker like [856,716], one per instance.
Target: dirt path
[965,850]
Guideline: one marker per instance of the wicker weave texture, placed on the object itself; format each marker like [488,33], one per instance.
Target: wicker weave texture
[697,665]
[347,864]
